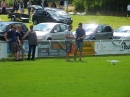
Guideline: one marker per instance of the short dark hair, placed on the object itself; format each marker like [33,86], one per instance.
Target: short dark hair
[70,26]
[80,24]
[31,26]
[12,26]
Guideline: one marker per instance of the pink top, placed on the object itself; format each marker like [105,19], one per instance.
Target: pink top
[3,4]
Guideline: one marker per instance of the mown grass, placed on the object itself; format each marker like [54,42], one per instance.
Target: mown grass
[54,77]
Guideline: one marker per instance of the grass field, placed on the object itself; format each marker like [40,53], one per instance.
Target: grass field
[54,77]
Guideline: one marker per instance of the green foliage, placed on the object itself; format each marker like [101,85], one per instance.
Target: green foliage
[79,5]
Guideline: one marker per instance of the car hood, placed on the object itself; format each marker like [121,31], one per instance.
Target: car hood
[122,34]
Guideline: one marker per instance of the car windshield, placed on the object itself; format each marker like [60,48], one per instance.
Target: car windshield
[3,27]
[123,29]
[89,27]
[43,27]
[62,13]
[52,13]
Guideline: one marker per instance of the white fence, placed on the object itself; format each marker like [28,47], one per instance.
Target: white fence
[57,48]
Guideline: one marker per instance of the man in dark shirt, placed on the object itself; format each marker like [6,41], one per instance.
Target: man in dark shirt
[12,41]
[20,41]
[80,34]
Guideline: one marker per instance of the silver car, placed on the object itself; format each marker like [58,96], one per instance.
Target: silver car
[50,31]
[97,31]
[122,33]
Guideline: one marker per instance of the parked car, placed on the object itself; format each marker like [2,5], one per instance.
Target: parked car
[35,7]
[122,33]
[50,31]
[5,26]
[97,31]
[42,15]
[19,17]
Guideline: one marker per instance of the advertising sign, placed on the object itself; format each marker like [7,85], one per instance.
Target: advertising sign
[3,53]
[112,47]
[88,48]
[51,48]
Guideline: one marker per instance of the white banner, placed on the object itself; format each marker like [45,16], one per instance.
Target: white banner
[3,50]
[112,47]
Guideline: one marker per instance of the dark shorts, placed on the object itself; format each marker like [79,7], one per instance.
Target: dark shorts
[14,47]
[78,45]
[16,8]
[68,46]
[128,12]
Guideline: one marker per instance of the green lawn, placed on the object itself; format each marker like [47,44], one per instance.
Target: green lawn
[54,77]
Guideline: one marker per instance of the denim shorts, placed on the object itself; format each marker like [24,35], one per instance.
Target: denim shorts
[78,45]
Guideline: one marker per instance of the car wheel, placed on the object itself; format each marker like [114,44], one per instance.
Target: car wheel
[49,38]
[12,19]
[35,22]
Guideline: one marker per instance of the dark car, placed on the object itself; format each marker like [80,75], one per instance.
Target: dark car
[42,15]
[97,31]
[35,7]
[5,26]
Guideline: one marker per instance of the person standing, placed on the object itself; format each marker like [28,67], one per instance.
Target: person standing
[29,4]
[10,36]
[32,42]
[80,34]
[3,5]
[21,6]
[53,5]
[20,41]
[128,10]
[15,6]
[68,41]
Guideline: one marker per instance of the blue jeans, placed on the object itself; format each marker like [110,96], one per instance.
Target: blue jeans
[29,10]
[31,49]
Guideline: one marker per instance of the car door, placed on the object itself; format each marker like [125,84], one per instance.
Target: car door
[41,16]
[47,17]
[58,33]
[99,32]
[109,32]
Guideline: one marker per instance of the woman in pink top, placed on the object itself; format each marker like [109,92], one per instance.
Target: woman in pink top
[3,5]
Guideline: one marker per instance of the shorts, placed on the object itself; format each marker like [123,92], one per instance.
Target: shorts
[16,8]
[14,47]
[128,12]
[78,45]
[68,46]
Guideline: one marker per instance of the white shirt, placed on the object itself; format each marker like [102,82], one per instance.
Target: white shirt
[128,8]
[68,33]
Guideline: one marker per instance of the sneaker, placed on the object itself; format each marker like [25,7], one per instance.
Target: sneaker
[68,60]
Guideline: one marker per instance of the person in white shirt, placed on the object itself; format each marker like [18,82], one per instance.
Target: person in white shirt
[29,4]
[128,10]
[68,41]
